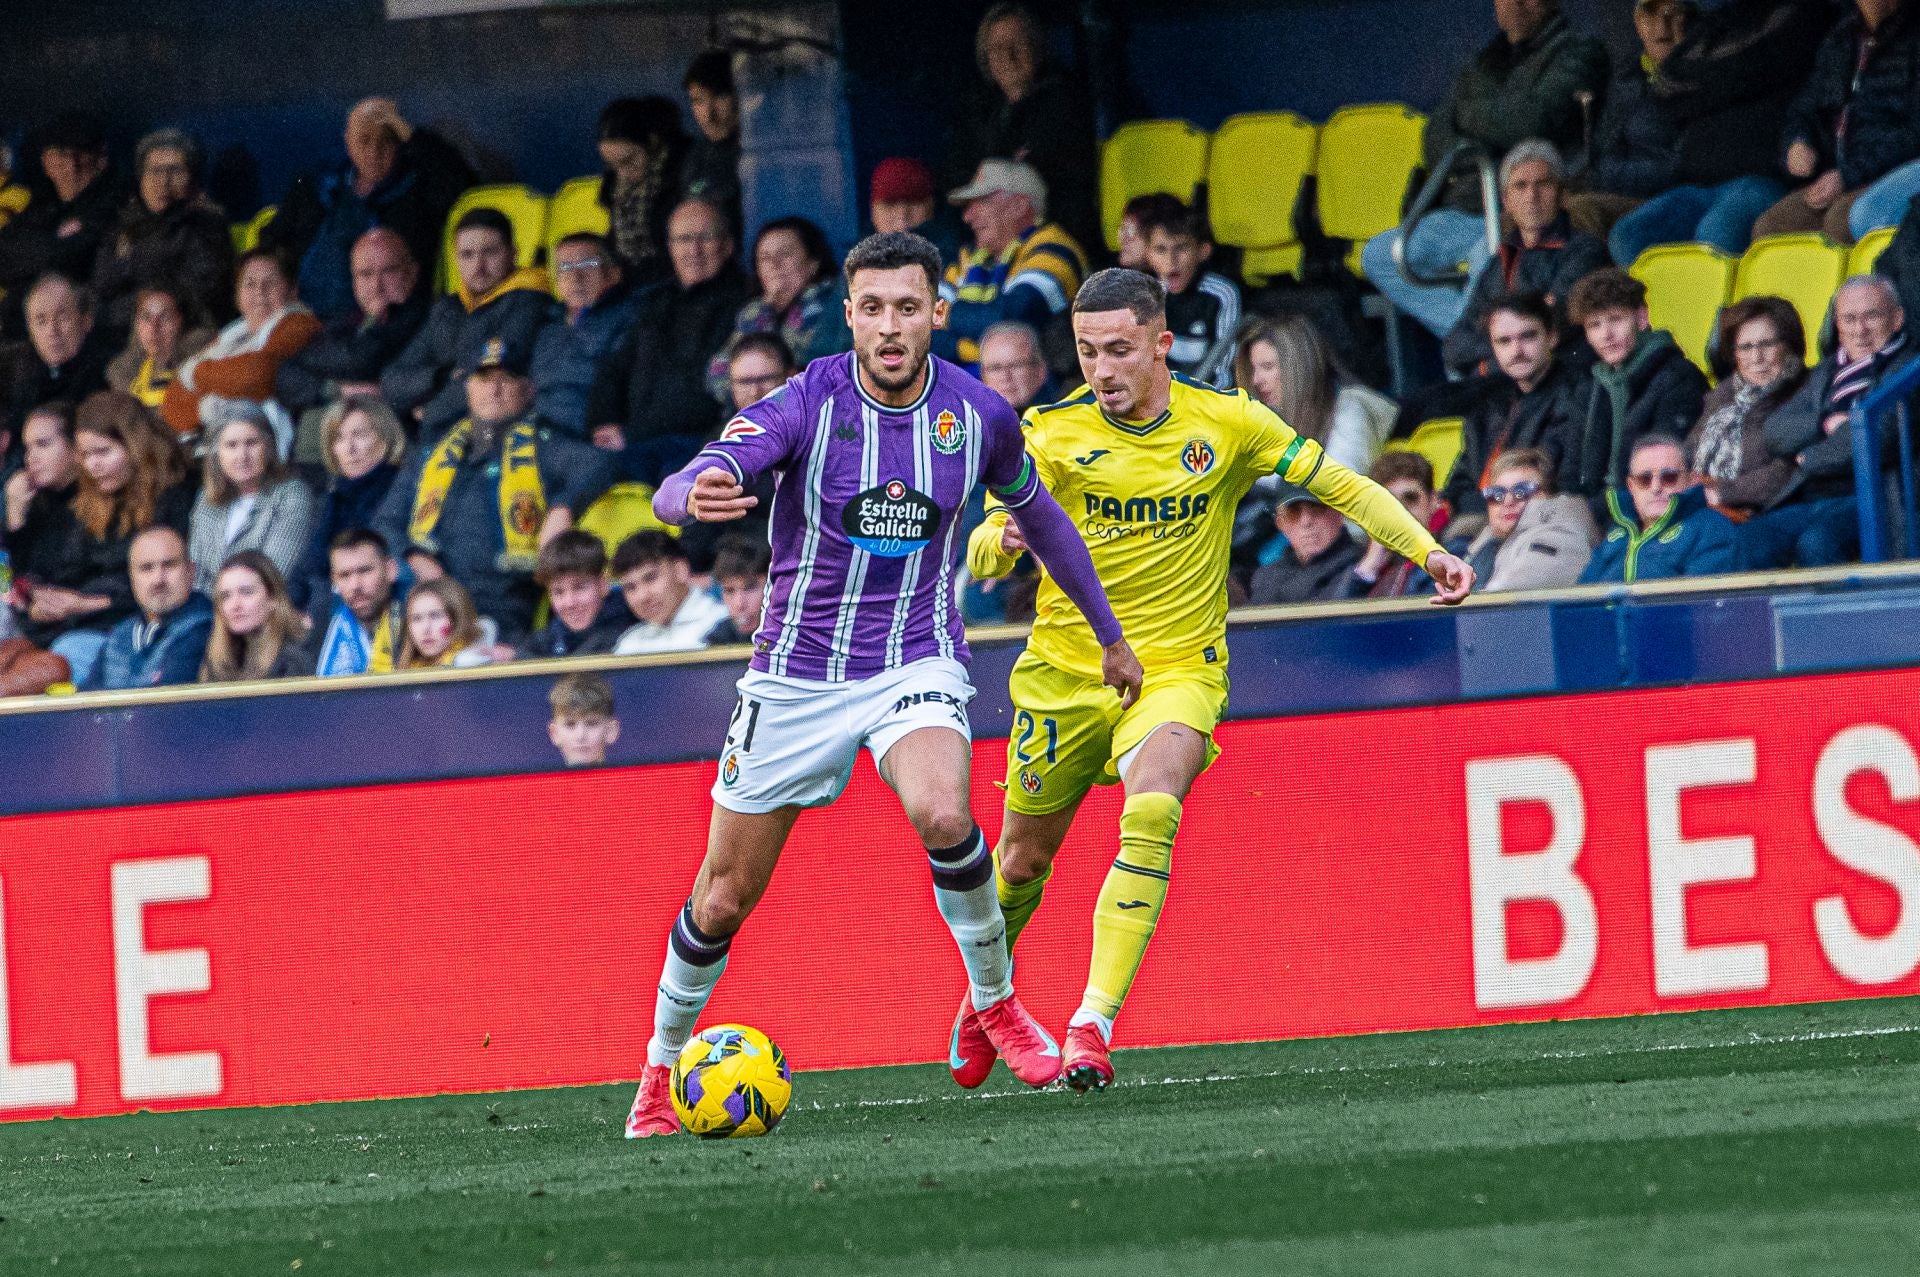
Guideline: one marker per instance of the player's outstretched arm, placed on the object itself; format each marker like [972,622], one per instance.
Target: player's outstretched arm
[1387,521]
[703,493]
[1050,534]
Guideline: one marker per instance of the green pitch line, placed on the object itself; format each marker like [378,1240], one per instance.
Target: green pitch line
[1738,1142]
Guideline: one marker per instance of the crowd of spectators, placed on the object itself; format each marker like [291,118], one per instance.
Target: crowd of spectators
[305,459]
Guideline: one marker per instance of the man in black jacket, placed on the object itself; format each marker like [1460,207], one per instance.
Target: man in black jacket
[64,356]
[1523,405]
[168,233]
[1713,111]
[1318,557]
[1526,84]
[1814,521]
[491,300]
[1855,128]
[61,230]
[650,400]
[1640,383]
[390,305]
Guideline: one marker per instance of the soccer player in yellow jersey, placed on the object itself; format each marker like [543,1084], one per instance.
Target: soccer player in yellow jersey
[1151,467]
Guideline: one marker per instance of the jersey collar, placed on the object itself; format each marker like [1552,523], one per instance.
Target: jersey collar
[926,391]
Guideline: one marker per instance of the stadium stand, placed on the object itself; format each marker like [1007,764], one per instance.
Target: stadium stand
[1148,157]
[1255,169]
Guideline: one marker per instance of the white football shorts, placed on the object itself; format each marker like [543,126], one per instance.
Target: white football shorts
[793,741]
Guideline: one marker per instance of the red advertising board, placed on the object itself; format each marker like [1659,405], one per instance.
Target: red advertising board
[1410,869]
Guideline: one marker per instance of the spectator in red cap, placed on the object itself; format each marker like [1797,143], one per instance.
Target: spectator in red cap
[900,198]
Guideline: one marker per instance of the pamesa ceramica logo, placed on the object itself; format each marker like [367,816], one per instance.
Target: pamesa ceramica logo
[891,521]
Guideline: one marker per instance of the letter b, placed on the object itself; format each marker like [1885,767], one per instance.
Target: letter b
[1548,876]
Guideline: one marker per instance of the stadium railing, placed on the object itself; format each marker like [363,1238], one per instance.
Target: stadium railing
[1889,398]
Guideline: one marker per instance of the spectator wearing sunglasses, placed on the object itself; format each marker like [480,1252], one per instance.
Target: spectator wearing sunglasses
[568,355]
[1535,538]
[1662,524]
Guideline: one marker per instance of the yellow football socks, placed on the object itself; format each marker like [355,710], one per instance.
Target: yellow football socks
[1130,903]
[1018,903]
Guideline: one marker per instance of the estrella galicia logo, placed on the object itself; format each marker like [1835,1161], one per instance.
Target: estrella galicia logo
[891,520]
[949,436]
[1092,457]
[1197,456]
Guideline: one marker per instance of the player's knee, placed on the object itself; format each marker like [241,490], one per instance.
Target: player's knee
[721,908]
[944,823]
[1023,862]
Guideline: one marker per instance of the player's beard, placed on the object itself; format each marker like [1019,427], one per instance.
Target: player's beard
[893,382]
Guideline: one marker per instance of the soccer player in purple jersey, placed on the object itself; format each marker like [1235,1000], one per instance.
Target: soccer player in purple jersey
[860,641]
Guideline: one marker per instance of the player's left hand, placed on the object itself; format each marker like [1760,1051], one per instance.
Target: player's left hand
[1120,670]
[1452,578]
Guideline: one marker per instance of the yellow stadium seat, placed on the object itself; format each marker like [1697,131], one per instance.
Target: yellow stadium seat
[1438,441]
[575,208]
[1254,170]
[1804,269]
[246,235]
[1867,251]
[621,511]
[523,206]
[1147,157]
[1367,156]
[1686,287]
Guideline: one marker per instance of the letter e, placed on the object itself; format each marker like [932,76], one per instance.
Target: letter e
[1675,863]
[141,974]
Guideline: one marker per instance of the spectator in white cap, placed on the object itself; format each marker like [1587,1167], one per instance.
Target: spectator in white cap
[1020,265]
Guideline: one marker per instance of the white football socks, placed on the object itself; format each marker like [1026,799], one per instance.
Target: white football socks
[963,888]
[694,963]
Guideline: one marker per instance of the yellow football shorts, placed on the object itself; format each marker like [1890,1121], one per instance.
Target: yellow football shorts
[1069,732]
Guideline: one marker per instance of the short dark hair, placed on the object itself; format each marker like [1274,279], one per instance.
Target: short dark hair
[772,345]
[600,243]
[486,219]
[82,293]
[1737,315]
[740,555]
[581,696]
[1118,288]
[1527,305]
[813,242]
[262,253]
[647,546]
[1604,290]
[1173,216]
[1142,207]
[1390,467]
[892,250]
[712,70]
[358,539]
[572,553]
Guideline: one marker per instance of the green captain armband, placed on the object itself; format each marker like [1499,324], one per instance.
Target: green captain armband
[1019,482]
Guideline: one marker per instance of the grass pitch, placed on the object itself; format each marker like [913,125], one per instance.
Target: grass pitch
[1784,1140]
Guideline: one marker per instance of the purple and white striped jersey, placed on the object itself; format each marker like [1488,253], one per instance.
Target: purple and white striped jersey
[866,513]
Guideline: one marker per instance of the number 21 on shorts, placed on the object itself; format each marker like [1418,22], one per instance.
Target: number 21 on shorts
[750,710]
[1025,725]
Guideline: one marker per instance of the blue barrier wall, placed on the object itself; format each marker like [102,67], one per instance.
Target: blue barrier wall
[167,746]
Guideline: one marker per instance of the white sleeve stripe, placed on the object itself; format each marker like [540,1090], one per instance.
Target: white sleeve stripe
[1047,286]
[727,461]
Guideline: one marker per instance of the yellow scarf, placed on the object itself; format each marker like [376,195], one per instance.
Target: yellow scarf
[380,659]
[523,501]
[529,279]
[149,385]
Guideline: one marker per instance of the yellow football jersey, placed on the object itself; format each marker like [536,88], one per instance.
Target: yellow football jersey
[1155,502]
